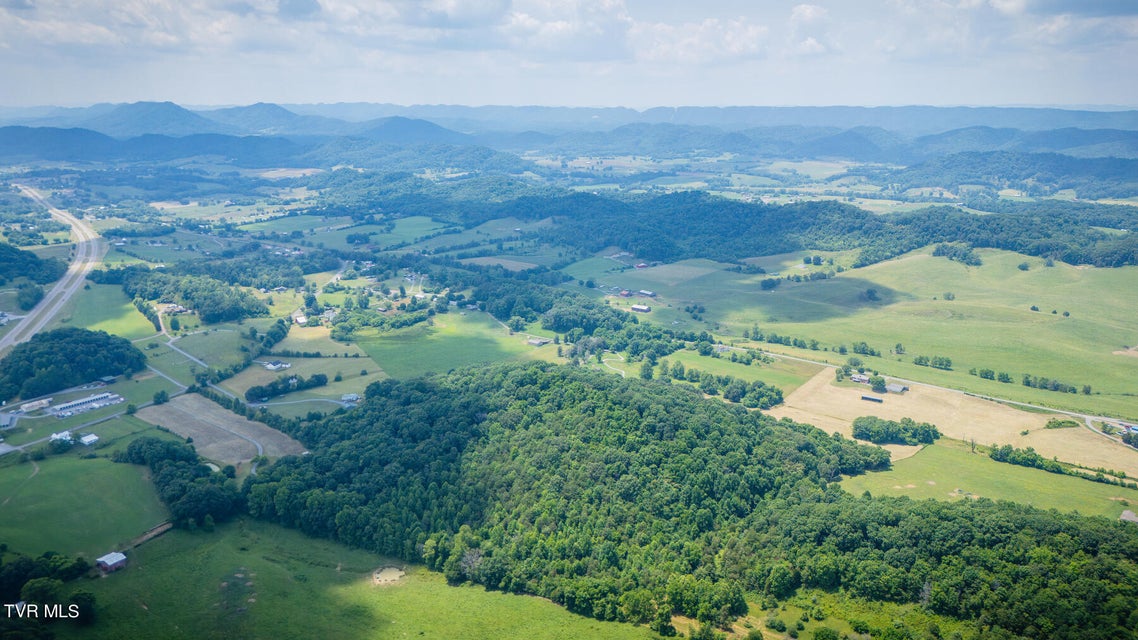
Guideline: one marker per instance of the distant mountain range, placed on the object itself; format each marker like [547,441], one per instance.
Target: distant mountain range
[265,134]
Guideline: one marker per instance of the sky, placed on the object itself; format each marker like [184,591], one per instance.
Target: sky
[633,53]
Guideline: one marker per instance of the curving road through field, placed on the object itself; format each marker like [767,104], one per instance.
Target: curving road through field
[88,252]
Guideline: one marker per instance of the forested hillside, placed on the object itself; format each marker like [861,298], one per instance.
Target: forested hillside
[54,360]
[631,500]
[17,262]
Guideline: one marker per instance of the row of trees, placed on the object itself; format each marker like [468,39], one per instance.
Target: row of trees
[284,384]
[906,431]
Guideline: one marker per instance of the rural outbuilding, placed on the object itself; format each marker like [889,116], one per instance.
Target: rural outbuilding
[113,561]
[896,388]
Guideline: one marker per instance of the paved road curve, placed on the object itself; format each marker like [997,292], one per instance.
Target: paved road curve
[88,252]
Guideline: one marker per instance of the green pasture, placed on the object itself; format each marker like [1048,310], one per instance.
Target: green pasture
[596,269]
[453,341]
[301,408]
[783,373]
[60,250]
[989,324]
[406,230]
[254,580]
[949,470]
[288,224]
[218,346]
[349,369]
[169,362]
[314,339]
[75,506]
[104,307]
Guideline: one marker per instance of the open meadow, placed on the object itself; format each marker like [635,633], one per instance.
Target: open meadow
[75,506]
[988,323]
[948,470]
[255,580]
[104,307]
[453,340]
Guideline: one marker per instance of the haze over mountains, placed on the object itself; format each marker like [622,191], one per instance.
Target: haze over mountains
[266,134]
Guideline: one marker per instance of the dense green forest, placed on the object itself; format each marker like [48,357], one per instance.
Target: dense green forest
[212,299]
[17,262]
[62,358]
[632,500]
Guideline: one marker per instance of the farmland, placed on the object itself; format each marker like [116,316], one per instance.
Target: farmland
[217,433]
[75,506]
[256,580]
[453,341]
[949,470]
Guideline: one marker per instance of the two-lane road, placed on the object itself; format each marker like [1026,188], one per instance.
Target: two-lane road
[88,252]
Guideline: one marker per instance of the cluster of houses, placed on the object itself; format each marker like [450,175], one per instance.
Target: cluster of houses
[891,387]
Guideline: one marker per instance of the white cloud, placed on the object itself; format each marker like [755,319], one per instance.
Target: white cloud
[697,43]
[808,13]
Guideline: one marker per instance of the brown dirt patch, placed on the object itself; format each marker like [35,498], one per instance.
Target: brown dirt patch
[1132,352]
[387,575]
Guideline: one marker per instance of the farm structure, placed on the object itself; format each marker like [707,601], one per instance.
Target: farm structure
[113,561]
[641,308]
[896,388]
[86,404]
[873,399]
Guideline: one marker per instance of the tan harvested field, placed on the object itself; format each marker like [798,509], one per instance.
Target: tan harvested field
[219,434]
[832,408]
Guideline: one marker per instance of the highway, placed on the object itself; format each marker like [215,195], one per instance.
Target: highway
[87,253]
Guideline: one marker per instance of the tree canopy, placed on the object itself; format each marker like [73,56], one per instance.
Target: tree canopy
[62,358]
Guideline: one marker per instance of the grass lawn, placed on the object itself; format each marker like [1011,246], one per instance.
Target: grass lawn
[949,471]
[75,506]
[453,341]
[104,307]
[254,580]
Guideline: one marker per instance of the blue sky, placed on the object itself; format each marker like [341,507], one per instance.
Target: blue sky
[636,53]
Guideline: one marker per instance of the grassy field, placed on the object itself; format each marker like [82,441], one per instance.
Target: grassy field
[75,506]
[219,346]
[453,341]
[989,324]
[255,580]
[949,470]
[785,374]
[288,224]
[349,370]
[104,307]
